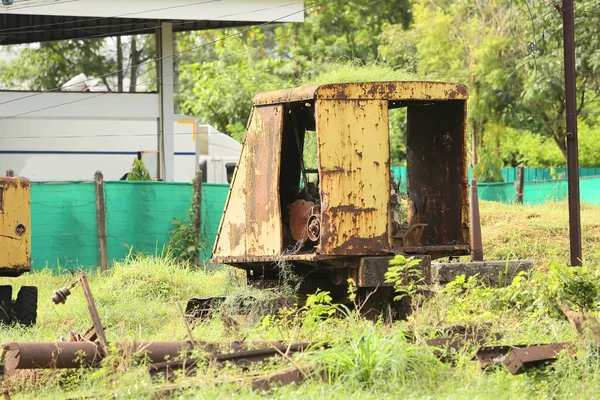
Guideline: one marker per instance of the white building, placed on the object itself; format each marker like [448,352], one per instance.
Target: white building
[38,130]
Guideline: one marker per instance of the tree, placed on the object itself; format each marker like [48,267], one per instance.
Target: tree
[464,42]
[51,64]
[510,56]
[226,68]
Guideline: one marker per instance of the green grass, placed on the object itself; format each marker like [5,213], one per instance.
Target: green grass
[137,299]
[356,71]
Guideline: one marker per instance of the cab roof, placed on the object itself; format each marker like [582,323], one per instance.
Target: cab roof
[391,91]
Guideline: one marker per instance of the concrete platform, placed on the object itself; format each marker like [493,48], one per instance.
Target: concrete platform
[490,273]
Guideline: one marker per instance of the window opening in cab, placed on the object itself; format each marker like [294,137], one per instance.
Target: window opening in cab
[309,189]
[398,193]
[230,167]
[299,176]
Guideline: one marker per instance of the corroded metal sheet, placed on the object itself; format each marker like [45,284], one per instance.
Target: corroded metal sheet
[15,226]
[437,172]
[354,165]
[231,236]
[263,211]
[251,223]
[303,93]
[393,91]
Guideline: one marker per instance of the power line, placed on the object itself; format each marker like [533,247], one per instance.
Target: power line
[167,56]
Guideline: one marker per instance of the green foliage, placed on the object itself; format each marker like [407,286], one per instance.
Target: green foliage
[52,64]
[406,276]
[489,167]
[317,311]
[139,172]
[185,241]
[372,359]
[537,292]
[355,71]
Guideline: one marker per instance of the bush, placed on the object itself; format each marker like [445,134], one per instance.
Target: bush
[489,167]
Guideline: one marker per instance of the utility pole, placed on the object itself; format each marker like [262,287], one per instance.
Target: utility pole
[567,11]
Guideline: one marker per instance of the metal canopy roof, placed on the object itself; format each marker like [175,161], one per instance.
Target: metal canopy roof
[78,28]
[27,21]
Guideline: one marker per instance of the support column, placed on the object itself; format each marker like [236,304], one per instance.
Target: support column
[164,76]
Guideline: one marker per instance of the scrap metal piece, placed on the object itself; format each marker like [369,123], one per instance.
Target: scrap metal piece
[300,213]
[519,359]
[60,296]
[50,355]
[98,328]
[582,322]
[202,307]
[238,357]
[258,355]
[281,378]
[44,355]
[493,355]
[314,227]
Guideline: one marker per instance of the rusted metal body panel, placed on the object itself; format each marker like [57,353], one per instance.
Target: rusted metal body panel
[437,172]
[252,223]
[354,166]
[15,223]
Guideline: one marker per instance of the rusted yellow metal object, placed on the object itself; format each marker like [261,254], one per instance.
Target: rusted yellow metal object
[15,222]
[345,202]
[354,162]
[254,226]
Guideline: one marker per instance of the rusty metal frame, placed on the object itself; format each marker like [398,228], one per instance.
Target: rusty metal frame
[387,94]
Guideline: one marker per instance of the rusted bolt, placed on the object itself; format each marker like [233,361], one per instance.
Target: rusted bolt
[569,135]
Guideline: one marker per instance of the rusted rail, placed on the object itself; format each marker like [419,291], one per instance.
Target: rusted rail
[162,355]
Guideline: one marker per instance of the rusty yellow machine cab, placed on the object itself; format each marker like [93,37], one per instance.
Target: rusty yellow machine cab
[313,183]
[15,251]
[15,220]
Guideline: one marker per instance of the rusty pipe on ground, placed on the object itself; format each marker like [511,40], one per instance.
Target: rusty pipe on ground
[76,354]
[476,242]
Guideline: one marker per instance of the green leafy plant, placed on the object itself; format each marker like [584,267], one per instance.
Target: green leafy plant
[489,167]
[406,276]
[185,242]
[372,359]
[139,172]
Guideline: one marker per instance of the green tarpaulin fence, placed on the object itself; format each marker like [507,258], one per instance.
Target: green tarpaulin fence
[542,192]
[138,219]
[531,174]
[139,215]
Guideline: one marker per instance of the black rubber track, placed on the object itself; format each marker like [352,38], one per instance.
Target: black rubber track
[26,305]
